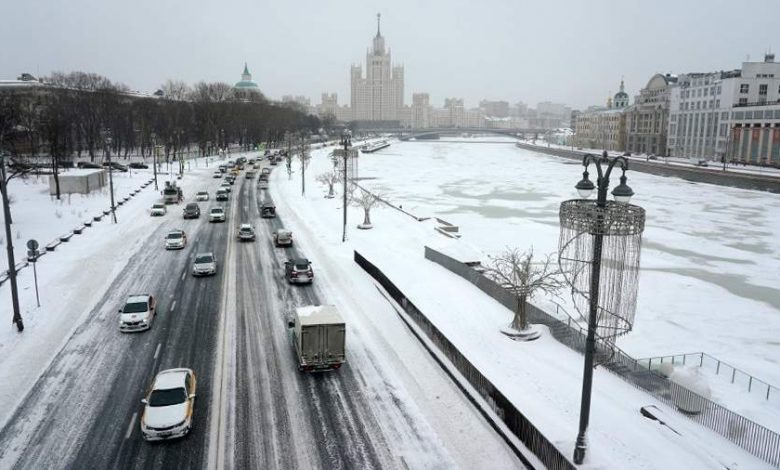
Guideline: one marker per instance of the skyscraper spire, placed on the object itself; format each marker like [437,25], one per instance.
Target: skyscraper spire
[378,16]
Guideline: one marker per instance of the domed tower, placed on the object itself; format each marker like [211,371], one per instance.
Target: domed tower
[621,97]
[246,81]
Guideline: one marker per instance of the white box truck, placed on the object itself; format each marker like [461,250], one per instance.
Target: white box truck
[318,334]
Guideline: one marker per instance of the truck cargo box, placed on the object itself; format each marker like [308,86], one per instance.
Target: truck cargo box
[319,335]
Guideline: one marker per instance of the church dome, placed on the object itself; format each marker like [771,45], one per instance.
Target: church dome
[246,80]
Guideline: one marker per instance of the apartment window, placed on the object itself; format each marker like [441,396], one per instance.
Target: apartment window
[748,115]
[743,101]
[762,89]
[698,92]
[777,114]
[706,91]
[739,115]
[724,115]
[698,105]
[768,114]
[744,88]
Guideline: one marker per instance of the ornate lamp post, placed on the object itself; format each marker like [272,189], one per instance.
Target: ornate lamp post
[346,141]
[107,139]
[592,231]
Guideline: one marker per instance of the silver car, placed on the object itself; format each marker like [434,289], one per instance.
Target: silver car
[205,264]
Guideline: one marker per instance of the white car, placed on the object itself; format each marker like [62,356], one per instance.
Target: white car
[226,186]
[137,314]
[175,240]
[158,210]
[246,232]
[169,405]
[202,196]
[205,264]
[217,214]
[217,174]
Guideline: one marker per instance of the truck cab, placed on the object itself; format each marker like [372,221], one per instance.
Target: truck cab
[319,337]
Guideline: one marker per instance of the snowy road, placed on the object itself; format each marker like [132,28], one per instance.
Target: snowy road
[254,409]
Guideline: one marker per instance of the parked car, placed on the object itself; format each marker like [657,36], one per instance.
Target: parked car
[205,264]
[202,196]
[169,405]
[138,166]
[267,211]
[222,194]
[88,165]
[298,271]
[191,210]
[217,214]
[626,154]
[246,233]
[319,337]
[652,157]
[137,314]
[158,210]
[702,163]
[116,166]
[283,237]
[176,239]
[217,174]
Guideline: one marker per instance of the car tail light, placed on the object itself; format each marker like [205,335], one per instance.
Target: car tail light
[311,273]
[294,274]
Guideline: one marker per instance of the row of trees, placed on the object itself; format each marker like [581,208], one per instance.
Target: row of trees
[69,114]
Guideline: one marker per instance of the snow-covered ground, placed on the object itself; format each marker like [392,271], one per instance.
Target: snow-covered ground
[542,378]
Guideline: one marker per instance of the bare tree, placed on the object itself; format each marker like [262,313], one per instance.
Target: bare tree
[366,201]
[517,273]
[303,156]
[330,178]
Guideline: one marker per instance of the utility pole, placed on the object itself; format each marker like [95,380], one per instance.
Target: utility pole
[303,165]
[17,318]
[154,159]
[108,141]
[346,142]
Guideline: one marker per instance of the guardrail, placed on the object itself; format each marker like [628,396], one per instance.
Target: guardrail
[760,441]
[515,421]
[736,376]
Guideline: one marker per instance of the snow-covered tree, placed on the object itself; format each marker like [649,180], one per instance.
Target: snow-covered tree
[517,273]
[329,178]
[367,201]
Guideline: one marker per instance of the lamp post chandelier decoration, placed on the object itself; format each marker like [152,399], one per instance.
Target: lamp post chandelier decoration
[599,250]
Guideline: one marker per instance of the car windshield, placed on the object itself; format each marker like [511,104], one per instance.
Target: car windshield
[135,307]
[168,396]
[191,207]
[174,235]
[202,193]
[246,229]
[204,259]
[158,206]
[216,211]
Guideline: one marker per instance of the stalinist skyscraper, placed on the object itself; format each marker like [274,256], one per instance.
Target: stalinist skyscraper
[380,95]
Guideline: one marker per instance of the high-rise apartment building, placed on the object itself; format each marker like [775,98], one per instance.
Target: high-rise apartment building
[379,96]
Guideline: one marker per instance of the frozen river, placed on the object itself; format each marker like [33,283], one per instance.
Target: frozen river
[710,267]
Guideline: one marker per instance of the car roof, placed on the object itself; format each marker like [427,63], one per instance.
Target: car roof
[245,226]
[158,204]
[176,231]
[170,378]
[208,253]
[137,298]
[283,231]
[192,204]
[300,260]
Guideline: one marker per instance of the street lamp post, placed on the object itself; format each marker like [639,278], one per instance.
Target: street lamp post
[17,316]
[154,159]
[108,141]
[622,194]
[346,141]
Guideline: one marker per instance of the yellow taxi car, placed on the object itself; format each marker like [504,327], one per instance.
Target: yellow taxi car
[169,405]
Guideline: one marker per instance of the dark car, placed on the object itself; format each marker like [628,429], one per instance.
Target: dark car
[191,211]
[138,166]
[298,271]
[268,211]
[88,165]
[116,166]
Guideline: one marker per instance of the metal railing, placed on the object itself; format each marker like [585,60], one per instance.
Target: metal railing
[751,436]
[514,420]
[730,373]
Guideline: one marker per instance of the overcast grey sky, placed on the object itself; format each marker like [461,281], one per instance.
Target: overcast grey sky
[573,52]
